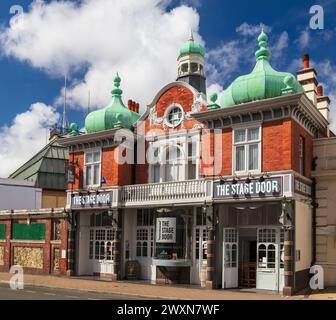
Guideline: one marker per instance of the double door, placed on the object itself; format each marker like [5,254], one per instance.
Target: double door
[269,269]
[102,245]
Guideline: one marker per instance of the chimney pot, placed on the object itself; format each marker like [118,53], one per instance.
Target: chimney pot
[319,90]
[129,104]
[306,61]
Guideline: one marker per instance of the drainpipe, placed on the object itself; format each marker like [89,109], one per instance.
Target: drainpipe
[314,207]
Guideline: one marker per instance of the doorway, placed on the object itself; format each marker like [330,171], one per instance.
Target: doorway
[248,258]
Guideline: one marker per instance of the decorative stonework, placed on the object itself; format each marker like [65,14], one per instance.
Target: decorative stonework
[56,261]
[2,254]
[196,106]
[153,117]
[28,257]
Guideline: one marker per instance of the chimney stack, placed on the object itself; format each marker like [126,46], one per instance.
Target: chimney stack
[319,91]
[306,61]
[308,79]
[133,106]
[323,102]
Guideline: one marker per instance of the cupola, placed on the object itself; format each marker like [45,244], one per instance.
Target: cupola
[115,115]
[191,64]
[262,83]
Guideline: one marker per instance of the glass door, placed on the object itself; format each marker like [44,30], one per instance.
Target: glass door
[268,259]
[230,258]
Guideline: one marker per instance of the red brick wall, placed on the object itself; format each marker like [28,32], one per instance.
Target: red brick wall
[298,131]
[276,146]
[223,154]
[114,173]
[280,145]
[79,174]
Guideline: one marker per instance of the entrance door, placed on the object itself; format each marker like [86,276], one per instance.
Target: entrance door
[230,258]
[201,237]
[101,250]
[268,259]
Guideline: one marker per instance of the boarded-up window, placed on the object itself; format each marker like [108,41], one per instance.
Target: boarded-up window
[34,231]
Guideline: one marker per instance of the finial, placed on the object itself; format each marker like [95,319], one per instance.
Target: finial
[116,91]
[289,83]
[263,52]
[191,36]
[214,97]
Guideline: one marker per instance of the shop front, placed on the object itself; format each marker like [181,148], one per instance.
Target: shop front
[169,243]
[251,234]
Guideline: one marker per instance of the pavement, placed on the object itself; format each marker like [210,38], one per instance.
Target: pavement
[45,293]
[134,290]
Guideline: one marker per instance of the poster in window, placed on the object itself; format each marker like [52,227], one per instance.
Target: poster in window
[166,230]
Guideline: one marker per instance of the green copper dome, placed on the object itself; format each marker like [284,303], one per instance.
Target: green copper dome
[262,83]
[115,115]
[191,46]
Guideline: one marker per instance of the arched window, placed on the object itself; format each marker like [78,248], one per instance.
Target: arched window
[262,256]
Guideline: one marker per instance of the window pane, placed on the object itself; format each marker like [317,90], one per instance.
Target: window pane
[96,174]
[191,170]
[139,217]
[144,249]
[88,158]
[240,158]
[138,249]
[191,149]
[239,135]
[253,134]
[253,156]
[156,173]
[88,175]
[96,157]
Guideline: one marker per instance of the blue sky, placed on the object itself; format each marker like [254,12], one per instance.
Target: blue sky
[32,73]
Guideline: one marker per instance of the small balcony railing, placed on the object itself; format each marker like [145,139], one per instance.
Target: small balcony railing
[167,193]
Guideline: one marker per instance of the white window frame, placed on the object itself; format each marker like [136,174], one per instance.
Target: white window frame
[92,164]
[182,142]
[246,143]
[142,230]
[167,112]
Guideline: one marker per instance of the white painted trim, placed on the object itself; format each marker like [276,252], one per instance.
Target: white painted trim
[93,150]
[245,144]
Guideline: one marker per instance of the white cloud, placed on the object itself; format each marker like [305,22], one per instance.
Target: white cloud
[139,39]
[304,39]
[25,136]
[279,46]
[246,29]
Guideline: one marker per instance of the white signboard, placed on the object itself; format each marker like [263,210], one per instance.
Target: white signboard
[166,230]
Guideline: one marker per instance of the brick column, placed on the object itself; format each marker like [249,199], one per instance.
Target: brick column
[64,246]
[47,247]
[71,246]
[288,289]
[211,259]
[211,249]
[7,246]
[117,215]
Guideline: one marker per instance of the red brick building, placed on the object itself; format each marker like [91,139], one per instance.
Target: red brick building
[217,194]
